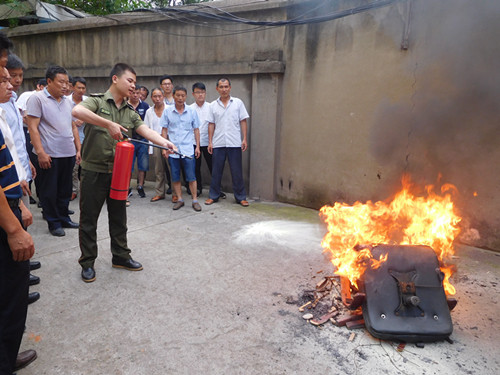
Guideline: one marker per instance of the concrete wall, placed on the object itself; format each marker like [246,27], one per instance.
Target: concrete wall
[370,111]
[340,110]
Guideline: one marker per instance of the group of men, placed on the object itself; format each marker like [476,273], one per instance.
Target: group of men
[57,121]
[214,131]
[37,142]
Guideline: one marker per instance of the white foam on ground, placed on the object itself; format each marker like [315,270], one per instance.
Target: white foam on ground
[293,235]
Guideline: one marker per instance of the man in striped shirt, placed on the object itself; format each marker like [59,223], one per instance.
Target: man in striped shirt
[16,247]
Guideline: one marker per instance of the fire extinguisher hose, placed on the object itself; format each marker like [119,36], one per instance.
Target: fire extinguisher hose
[152,144]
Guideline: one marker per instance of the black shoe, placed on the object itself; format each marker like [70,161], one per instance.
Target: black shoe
[34,265]
[71,212]
[57,232]
[169,190]
[34,279]
[222,195]
[24,359]
[32,200]
[70,224]
[141,192]
[88,275]
[33,297]
[128,264]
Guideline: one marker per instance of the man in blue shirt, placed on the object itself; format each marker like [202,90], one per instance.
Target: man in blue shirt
[181,124]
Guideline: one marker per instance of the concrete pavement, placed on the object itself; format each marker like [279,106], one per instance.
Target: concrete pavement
[212,300]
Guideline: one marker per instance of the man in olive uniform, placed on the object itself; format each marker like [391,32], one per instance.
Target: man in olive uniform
[111,115]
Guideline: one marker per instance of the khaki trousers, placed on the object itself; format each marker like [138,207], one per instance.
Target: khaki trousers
[162,172]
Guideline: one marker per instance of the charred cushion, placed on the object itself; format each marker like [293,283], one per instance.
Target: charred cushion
[405,298]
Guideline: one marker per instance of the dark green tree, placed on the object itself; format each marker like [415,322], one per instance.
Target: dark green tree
[101,7]
[171,3]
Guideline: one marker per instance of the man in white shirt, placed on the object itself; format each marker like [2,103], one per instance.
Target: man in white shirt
[152,119]
[202,108]
[227,139]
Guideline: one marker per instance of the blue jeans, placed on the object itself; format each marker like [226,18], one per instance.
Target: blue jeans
[141,153]
[234,156]
[188,165]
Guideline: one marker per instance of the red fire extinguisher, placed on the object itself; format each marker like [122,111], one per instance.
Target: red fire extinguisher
[122,170]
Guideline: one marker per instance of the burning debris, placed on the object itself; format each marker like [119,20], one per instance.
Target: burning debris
[325,304]
[391,259]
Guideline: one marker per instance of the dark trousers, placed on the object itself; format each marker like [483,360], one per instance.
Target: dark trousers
[14,277]
[31,155]
[54,187]
[94,191]
[208,159]
[234,156]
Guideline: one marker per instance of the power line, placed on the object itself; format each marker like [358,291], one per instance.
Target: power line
[208,13]
[229,17]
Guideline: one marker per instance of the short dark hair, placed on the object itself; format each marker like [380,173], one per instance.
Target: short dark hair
[164,77]
[199,85]
[42,82]
[223,79]
[14,62]
[119,69]
[138,87]
[179,88]
[157,88]
[54,70]
[5,43]
[79,79]
[147,91]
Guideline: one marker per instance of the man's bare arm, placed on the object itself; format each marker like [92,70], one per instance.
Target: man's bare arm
[211,129]
[44,160]
[244,127]
[20,242]
[76,140]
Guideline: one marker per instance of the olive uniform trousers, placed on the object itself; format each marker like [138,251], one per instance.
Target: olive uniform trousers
[94,191]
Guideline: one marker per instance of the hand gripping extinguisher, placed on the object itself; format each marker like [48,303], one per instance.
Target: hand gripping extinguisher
[122,170]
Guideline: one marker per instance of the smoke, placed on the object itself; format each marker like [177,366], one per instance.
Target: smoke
[452,121]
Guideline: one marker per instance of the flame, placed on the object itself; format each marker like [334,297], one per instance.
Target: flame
[406,220]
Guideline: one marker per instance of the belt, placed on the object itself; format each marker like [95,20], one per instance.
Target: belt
[13,203]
